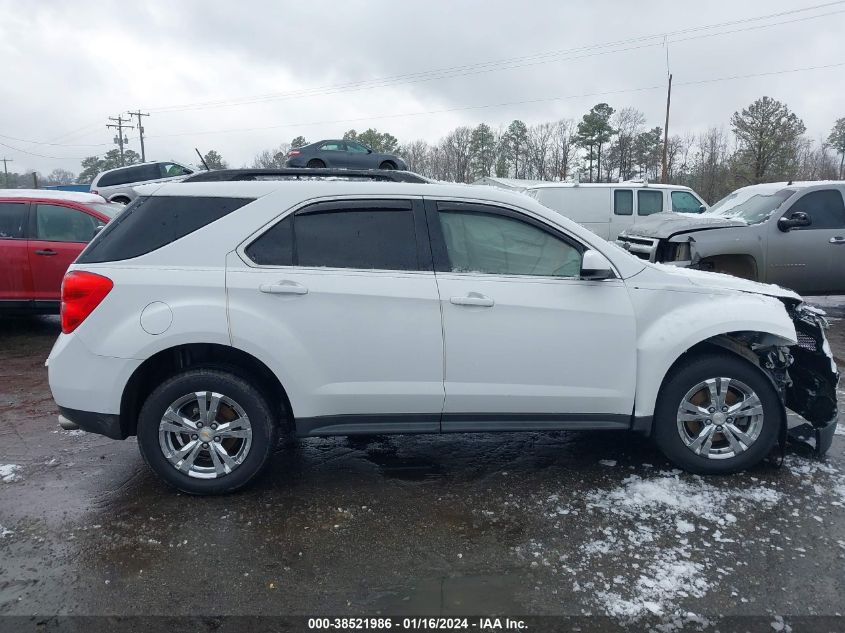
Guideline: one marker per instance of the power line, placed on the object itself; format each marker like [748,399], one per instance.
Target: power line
[502,104]
[23,151]
[477,68]
[23,140]
[509,63]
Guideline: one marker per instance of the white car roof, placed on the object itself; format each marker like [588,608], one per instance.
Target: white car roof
[53,194]
[605,185]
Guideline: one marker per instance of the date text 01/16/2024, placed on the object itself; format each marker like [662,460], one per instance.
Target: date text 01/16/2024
[417,624]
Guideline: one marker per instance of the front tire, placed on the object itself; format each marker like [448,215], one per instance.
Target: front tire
[206,431]
[387,165]
[717,414]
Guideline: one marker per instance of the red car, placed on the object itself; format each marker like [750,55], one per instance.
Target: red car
[41,233]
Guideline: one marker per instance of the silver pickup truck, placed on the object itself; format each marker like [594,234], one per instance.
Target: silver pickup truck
[789,234]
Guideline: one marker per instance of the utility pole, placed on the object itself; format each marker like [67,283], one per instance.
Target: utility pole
[139,114]
[6,171]
[665,175]
[120,123]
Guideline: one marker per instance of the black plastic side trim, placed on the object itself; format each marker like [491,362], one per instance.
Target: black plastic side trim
[492,422]
[102,423]
[382,424]
[415,423]
[642,424]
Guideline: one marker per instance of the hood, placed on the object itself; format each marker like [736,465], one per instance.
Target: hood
[664,225]
[719,282]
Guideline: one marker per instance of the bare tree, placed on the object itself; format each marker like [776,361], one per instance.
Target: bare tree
[418,156]
[457,154]
[271,158]
[539,150]
[564,149]
[628,123]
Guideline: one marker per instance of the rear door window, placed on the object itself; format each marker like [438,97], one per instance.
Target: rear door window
[825,208]
[118,177]
[377,235]
[151,222]
[171,170]
[623,202]
[54,223]
[649,202]
[333,146]
[12,220]
[140,173]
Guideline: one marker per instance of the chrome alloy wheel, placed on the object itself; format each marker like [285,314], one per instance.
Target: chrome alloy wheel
[720,418]
[205,434]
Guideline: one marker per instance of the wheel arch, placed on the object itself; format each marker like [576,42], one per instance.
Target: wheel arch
[669,339]
[173,360]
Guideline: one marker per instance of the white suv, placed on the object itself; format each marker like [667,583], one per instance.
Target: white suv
[209,318]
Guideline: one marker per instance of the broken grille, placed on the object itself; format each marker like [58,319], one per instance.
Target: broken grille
[807,342]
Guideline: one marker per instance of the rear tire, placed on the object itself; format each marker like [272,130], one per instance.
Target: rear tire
[206,431]
[717,414]
[315,163]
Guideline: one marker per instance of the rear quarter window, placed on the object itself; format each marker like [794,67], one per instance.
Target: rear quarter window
[151,222]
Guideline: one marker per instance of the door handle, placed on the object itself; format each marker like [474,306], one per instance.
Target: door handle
[47,252]
[473,299]
[284,288]
[837,240]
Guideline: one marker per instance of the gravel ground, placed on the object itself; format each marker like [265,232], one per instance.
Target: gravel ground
[574,524]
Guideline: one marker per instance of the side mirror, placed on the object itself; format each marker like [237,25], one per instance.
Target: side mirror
[795,219]
[595,266]
[702,209]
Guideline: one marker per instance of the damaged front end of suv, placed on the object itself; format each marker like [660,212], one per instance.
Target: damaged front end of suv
[805,375]
[811,379]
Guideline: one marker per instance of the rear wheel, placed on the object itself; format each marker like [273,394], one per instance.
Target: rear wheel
[717,414]
[316,163]
[206,431]
[387,165]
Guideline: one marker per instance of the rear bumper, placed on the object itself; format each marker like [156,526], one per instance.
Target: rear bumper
[88,388]
[107,424]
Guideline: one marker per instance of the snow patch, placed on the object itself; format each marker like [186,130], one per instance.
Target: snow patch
[9,473]
[673,496]
[4,532]
[668,577]
[608,462]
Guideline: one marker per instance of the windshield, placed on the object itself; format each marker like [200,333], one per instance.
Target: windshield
[110,209]
[748,206]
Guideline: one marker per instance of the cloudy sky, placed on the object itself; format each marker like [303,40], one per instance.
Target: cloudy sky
[240,77]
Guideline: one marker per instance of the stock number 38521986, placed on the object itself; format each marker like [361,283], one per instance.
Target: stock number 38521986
[405,624]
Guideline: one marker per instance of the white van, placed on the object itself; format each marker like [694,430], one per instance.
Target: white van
[608,208]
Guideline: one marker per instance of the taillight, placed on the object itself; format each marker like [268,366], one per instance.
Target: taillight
[81,293]
[294,152]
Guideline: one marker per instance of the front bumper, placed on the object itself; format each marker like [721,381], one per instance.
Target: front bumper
[813,379]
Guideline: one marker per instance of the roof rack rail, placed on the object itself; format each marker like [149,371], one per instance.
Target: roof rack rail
[306,173]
